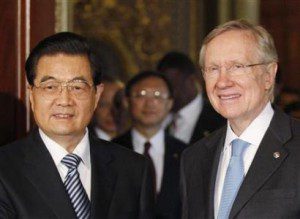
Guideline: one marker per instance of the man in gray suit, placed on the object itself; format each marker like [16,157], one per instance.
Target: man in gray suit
[250,168]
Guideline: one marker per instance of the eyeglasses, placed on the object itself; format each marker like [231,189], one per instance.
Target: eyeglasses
[79,89]
[143,94]
[234,69]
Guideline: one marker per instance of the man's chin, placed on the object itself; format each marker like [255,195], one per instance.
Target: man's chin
[64,132]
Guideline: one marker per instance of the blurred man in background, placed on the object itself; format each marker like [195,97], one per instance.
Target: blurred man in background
[104,122]
[192,116]
[150,99]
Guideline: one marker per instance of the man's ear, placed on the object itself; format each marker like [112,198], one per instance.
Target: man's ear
[126,102]
[99,91]
[271,74]
[31,99]
[170,104]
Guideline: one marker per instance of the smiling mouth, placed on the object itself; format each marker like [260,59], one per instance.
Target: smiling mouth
[229,97]
[149,113]
[63,116]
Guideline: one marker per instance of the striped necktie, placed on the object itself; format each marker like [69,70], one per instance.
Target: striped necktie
[233,179]
[74,187]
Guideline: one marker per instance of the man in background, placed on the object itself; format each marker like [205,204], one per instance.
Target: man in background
[59,170]
[150,98]
[192,116]
[249,168]
[104,124]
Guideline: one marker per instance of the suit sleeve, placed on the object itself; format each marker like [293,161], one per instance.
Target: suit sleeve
[147,194]
[6,207]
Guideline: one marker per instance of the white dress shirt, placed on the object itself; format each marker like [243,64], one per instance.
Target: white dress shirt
[253,134]
[102,134]
[186,120]
[57,153]
[156,151]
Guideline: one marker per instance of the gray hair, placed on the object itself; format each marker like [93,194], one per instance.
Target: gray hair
[265,43]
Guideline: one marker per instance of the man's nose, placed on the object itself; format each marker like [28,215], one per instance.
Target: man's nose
[223,78]
[64,95]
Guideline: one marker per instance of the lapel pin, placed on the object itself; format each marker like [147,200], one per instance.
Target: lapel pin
[276,154]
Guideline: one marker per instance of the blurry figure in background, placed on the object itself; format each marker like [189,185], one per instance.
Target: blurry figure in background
[12,126]
[150,99]
[104,124]
[193,117]
[293,109]
[288,96]
[120,112]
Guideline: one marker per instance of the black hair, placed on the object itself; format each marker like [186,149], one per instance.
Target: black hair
[176,60]
[65,43]
[144,75]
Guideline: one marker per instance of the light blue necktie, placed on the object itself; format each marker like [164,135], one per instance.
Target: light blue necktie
[74,187]
[233,179]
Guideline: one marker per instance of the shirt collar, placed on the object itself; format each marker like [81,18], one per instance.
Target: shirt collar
[192,108]
[255,132]
[157,141]
[57,152]
[102,134]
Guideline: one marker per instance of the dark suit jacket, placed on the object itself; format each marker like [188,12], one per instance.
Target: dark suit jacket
[168,200]
[31,187]
[209,120]
[271,188]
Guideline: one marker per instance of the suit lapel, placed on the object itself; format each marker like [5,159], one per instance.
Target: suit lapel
[103,179]
[264,163]
[171,164]
[41,171]
[125,140]
[216,146]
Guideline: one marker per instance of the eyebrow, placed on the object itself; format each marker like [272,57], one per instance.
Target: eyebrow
[47,78]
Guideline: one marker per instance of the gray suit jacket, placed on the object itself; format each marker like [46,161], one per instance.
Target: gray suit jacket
[271,188]
[31,187]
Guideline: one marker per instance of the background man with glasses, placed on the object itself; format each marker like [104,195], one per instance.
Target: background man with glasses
[150,98]
[250,168]
[59,170]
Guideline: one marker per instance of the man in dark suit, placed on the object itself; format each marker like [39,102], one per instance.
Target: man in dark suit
[104,124]
[149,96]
[250,168]
[59,170]
[192,116]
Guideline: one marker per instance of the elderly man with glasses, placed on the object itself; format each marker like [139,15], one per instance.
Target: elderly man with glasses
[249,168]
[59,170]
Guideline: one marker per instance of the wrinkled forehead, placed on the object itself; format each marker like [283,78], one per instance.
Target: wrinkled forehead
[63,67]
[231,46]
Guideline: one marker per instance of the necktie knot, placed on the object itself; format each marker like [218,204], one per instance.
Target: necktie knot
[147,146]
[238,147]
[71,161]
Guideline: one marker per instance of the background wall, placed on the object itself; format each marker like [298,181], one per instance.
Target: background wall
[22,25]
